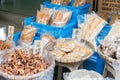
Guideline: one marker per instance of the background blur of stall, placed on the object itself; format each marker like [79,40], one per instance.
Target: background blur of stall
[12,12]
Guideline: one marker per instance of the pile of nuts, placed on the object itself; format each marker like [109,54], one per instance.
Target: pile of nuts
[4,45]
[23,63]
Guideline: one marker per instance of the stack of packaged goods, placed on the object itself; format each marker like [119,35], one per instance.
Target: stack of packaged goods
[77,6]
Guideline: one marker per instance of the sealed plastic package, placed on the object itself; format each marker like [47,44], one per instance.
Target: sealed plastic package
[61,17]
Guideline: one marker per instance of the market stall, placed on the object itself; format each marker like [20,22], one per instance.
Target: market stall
[63,33]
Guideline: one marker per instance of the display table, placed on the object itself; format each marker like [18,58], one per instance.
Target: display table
[70,66]
[109,68]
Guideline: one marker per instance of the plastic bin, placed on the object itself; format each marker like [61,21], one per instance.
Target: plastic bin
[84,9]
[95,63]
[63,32]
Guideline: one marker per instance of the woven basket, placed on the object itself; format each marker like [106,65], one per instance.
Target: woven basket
[108,59]
[88,44]
[47,74]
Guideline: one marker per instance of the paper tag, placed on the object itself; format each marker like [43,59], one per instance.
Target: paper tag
[44,42]
[37,47]
[76,34]
[10,33]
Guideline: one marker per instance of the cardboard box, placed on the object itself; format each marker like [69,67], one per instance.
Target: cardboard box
[109,8]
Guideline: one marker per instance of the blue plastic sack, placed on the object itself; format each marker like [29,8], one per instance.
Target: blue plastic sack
[84,9]
[62,32]
[95,62]
[69,4]
[103,33]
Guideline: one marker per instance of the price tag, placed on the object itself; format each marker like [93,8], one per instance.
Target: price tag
[44,42]
[10,33]
[76,34]
[37,47]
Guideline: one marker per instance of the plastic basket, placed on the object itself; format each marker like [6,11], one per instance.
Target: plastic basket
[63,32]
[95,63]
[84,9]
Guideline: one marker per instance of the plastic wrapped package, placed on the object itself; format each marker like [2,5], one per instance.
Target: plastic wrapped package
[37,67]
[28,34]
[59,2]
[84,9]
[4,47]
[47,40]
[83,75]
[57,32]
[66,2]
[80,2]
[61,17]
[93,26]
[44,15]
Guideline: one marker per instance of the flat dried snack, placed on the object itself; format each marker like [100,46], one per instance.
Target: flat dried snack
[43,17]
[23,63]
[60,18]
[44,9]
[49,37]
[4,45]
[66,2]
[83,51]
[28,34]
[71,56]
[80,2]
[68,46]
[59,2]
[58,54]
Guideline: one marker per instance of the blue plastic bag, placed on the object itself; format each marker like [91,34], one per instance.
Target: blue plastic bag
[84,9]
[103,33]
[62,32]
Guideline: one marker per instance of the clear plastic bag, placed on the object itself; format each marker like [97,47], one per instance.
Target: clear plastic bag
[59,2]
[3,33]
[28,34]
[44,15]
[80,2]
[47,40]
[83,75]
[66,2]
[42,75]
[93,26]
[61,17]
[3,52]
